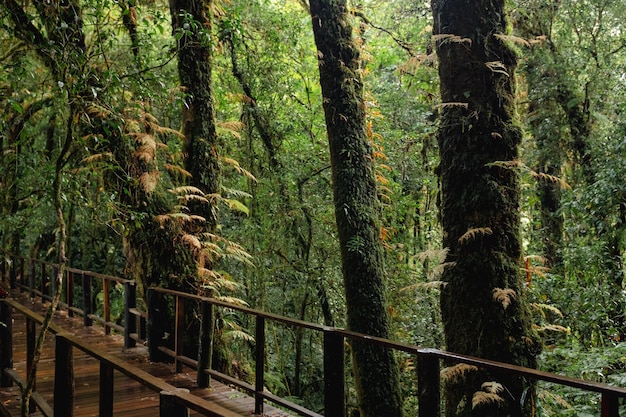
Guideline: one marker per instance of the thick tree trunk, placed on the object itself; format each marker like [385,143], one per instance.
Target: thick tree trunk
[356,206]
[191,24]
[482,303]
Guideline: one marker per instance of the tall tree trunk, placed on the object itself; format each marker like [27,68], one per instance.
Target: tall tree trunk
[356,206]
[482,303]
[191,24]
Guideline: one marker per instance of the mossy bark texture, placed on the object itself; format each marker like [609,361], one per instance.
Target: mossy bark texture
[482,302]
[191,24]
[356,206]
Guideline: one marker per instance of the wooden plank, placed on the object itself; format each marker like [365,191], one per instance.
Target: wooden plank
[131,399]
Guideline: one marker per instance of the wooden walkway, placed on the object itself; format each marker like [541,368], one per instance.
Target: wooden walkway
[131,399]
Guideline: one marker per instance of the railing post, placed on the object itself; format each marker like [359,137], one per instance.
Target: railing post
[205,348]
[154,326]
[53,281]
[31,334]
[12,272]
[106,292]
[130,321]
[259,380]
[87,303]
[428,383]
[31,279]
[69,293]
[21,280]
[3,267]
[42,289]
[169,407]
[106,390]
[63,378]
[6,343]
[179,333]
[610,405]
[334,374]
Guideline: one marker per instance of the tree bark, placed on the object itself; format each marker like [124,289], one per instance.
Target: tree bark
[482,303]
[356,206]
[191,24]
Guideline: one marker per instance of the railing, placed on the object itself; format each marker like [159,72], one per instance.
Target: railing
[428,360]
[173,401]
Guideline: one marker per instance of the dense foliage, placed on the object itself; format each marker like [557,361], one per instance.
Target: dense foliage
[100,92]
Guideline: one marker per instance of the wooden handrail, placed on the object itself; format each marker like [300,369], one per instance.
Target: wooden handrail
[109,362]
[428,359]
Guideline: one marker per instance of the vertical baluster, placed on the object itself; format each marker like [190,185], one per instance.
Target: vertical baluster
[31,279]
[69,293]
[169,407]
[610,405]
[206,343]
[106,390]
[63,378]
[42,287]
[334,374]
[87,303]
[6,343]
[12,272]
[21,279]
[260,365]
[106,287]
[179,332]
[31,334]
[428,383]
[130,320]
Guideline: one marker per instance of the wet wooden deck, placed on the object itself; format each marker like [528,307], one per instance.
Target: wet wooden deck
[131,399]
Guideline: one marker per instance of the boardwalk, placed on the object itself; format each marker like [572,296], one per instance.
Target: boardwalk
[130,398]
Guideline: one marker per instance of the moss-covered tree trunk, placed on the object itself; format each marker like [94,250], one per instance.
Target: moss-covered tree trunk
[356,206]
[482,302]
[191,24]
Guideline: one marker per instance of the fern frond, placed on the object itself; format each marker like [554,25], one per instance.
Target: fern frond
[167,131]
[483,398]
[208,274]
[234,193]
[186,189]
[236,205]
[179,216]
[542,176]
[542,308]
[472,233]
[240,170]
[161,219]
[497,67]
[538,270]
[192,241]
[504,296]
[436,285]
[176,170]
[513,39]
[235,334]
[552,328]
[438,271]
[456,373]
[453,104]
[145,153]
[194,197]
[232,125]
[436,255]
[538,258]
[492,387]
[450,38]
[149,181]
[105,156]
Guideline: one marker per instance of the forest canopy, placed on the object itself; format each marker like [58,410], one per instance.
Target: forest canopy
[190,145]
